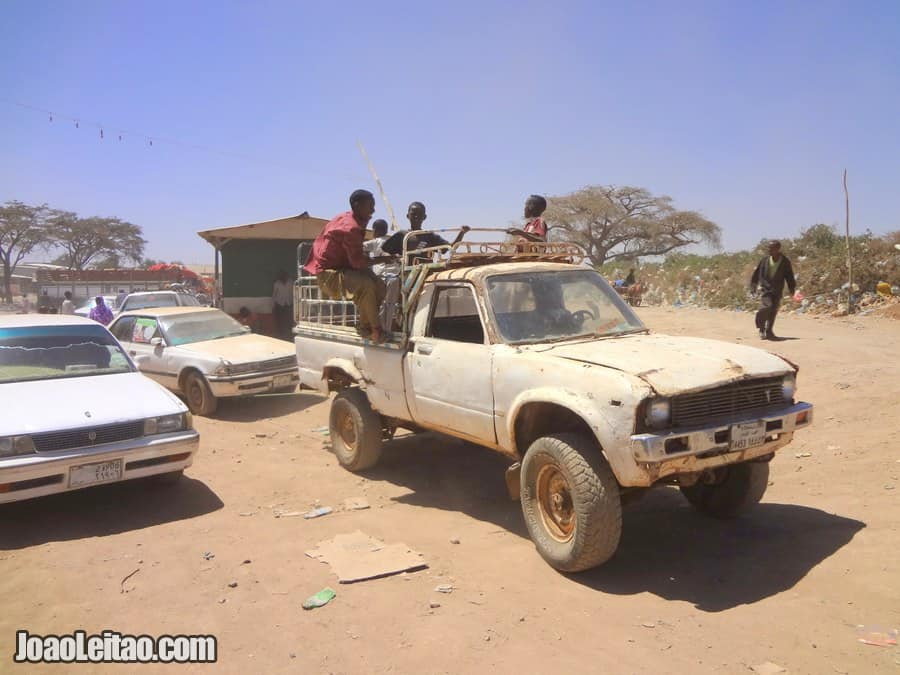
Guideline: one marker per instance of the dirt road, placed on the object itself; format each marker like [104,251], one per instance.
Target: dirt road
[788,584]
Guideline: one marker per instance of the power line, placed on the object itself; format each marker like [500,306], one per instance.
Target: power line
[105,129]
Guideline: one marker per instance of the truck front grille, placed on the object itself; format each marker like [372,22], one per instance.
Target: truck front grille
[729,400]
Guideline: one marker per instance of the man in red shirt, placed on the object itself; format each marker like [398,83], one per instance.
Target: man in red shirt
[342,268]
[535,229]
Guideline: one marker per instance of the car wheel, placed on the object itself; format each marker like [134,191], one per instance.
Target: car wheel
[730,490]
[571,503]
[355,430]
[200,398]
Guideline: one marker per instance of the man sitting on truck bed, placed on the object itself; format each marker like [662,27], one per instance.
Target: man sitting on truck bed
[342,268]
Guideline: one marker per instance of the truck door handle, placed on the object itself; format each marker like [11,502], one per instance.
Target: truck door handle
[424,349]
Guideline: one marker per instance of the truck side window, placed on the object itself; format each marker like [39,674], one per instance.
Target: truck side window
[455,316]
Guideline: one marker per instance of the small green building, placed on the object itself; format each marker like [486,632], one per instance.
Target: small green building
[249,257]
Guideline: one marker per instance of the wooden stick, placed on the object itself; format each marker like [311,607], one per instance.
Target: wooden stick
[378,183]
[849,256]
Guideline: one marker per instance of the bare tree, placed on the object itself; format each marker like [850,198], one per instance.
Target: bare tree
[84,239]
[613,223]
[22,229]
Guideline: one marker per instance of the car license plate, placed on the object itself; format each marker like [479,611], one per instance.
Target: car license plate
[91,474]
[747,435]
[281,381]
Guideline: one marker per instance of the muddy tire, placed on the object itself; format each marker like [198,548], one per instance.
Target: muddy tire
[735,489]
[570,500]
[199,396]
[355,430]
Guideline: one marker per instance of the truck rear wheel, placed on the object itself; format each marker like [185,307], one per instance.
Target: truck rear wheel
[730,491]
[355,430]
[570,500]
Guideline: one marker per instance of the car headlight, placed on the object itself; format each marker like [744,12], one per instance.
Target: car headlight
[658,413]
[789,387]
[167,424]
[10,446]
[223,369]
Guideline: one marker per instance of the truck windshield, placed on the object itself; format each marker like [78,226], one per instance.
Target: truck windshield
[53,352]
[183,329]
[546,306]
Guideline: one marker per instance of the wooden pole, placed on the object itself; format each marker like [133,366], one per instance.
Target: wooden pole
[849,256]
[378,183]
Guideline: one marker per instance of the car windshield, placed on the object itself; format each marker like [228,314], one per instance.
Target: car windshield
[547,306]
[53,352]
[183,329]
[150,300]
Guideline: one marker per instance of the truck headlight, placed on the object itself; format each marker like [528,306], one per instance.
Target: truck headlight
[658,413]
[789,387]
[166,424]
[11,446]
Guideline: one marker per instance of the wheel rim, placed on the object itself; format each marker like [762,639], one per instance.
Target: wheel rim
[195,393]
[346,430]
[555,503]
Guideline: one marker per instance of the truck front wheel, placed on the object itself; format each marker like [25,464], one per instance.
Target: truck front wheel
[355,430]
[730,490]
[570,499]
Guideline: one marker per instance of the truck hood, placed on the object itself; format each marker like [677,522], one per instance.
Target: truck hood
[243,348]
[76,402]
[672,364]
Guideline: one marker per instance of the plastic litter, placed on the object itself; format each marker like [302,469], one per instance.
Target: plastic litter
[877,636]
[320,599]
[317,513]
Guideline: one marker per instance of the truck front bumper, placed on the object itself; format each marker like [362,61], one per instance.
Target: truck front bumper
[700,448]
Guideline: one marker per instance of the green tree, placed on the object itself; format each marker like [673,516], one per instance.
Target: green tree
[626,223]
[82,240]
[23,228]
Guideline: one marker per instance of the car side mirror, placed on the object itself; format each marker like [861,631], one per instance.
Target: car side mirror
[246,329]
[156,342]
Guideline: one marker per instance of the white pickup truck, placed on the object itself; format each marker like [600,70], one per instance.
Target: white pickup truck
[521,349]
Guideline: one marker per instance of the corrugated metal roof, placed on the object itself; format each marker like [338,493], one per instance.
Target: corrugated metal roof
[303,226]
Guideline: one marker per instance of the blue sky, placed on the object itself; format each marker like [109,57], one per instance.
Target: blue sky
[747,112]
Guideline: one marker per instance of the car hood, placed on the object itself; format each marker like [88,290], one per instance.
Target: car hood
[76,402]
[243,348]
[672,364]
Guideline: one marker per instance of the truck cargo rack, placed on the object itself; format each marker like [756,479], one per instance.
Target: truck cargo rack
[337,319]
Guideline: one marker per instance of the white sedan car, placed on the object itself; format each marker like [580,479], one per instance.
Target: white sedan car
[204,355]
[75,412]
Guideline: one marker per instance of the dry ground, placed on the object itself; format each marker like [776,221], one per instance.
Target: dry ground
[787,584]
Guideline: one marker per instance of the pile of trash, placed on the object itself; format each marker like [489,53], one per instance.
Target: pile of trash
[819,259]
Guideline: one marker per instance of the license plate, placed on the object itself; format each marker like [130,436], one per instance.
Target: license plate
[747,435]
[281,381]
[91,474]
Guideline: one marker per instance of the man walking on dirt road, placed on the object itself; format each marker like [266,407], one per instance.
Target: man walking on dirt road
[341,267]
[770,275]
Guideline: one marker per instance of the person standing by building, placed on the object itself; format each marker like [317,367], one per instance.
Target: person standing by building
[26,304]
[341,267]
[100,312]
[67,307]
[283,305]
[770,276]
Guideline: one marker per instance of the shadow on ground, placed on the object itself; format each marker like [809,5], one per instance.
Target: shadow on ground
[255,408]
[102,511]
[667,548]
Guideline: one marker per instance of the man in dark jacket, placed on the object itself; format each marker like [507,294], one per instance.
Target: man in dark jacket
[770,276]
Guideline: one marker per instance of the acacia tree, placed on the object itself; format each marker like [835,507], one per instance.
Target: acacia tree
[84,239]
[613,223]
[22,229]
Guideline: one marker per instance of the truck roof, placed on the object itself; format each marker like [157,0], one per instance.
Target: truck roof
[477,273]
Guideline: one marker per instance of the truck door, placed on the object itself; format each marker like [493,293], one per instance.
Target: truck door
[448,367]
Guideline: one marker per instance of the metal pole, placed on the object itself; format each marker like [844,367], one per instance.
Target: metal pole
[849,256]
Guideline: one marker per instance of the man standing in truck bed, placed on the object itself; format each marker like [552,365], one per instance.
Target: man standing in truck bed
[770,275]
[342,268]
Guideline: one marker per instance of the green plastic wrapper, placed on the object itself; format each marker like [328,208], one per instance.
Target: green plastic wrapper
[320,599]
